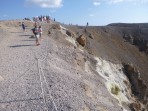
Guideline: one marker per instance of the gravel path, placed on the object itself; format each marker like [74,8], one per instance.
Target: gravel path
[20,82]
[47,77]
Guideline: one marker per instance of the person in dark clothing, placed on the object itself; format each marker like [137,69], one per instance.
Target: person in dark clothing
[87,24]
[23,27]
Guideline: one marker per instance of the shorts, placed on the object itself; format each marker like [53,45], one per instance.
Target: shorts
[37,36]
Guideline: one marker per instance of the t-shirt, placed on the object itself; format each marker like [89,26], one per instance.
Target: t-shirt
[36,31]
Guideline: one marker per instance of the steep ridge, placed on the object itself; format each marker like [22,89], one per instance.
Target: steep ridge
[136,34]
[108,43]
[74,69]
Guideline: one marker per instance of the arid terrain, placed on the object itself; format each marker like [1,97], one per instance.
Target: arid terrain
[76,68]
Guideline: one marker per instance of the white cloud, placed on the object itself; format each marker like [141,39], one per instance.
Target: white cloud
[131,1]
[144,1]
[91,15]
[115,1]
[96,3]
[45,3]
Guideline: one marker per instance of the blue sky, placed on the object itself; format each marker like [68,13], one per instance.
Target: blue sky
[95,12]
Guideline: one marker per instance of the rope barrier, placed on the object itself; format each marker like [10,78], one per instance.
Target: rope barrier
[40,69]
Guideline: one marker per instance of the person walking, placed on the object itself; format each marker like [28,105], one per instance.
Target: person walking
[37,35]
[40,32]
[23,27]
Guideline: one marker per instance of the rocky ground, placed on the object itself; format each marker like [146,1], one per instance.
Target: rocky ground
[64,75]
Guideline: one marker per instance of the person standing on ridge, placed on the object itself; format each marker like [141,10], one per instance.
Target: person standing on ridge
[87,24]
[23,27]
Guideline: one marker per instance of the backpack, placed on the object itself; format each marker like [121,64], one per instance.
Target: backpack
[40,30]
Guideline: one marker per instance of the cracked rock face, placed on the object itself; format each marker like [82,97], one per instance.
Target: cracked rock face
[135,34]
[138,87]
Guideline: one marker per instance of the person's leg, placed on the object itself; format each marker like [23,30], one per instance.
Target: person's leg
[38,36]
[36,39]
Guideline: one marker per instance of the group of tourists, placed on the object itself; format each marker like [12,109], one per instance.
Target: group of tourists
[37,31]
[41,19]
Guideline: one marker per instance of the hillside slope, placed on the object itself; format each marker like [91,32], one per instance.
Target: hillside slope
[109,43]
[62,75]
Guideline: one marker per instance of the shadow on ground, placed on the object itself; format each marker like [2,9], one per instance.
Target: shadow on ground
[15,46]
[25,35]
[16,32]
[28,40]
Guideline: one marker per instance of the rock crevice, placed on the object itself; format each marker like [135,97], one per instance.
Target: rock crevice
[138,87]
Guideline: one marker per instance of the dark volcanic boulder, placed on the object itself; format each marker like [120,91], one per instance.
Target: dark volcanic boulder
[70,33]
[81,40]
